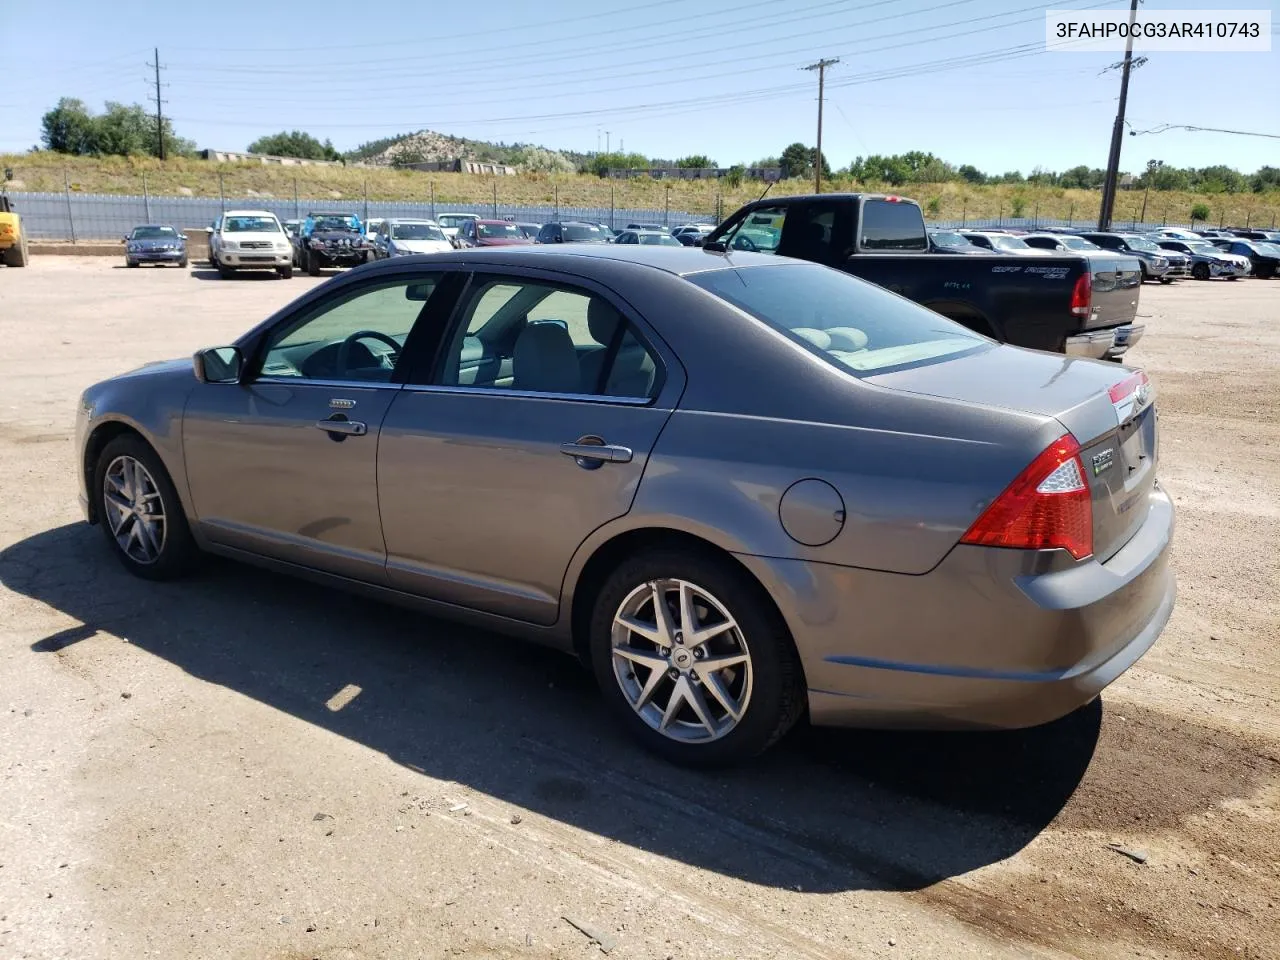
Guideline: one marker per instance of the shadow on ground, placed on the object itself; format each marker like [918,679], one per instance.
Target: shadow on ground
[210,273]
[824,810]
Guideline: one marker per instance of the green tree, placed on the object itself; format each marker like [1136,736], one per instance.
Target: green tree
[697,161]
[294,143]
[971,174]
[798,159]
[602,163]
[69,128]
[735,175]
[1200,211]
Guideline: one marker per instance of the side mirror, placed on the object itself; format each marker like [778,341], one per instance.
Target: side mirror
[218,365]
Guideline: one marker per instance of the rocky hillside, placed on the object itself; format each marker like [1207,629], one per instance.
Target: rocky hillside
[426,145]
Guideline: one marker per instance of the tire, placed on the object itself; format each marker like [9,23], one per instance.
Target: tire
[1166,280]
[770,690]
[226,273]
[1200,271]
[152,550]
[182,264]
[311,263]
[18,256]
[286,273]
[130,263]
[1145,275]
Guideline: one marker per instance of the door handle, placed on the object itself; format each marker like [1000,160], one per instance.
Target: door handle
[591,455]
[346,428]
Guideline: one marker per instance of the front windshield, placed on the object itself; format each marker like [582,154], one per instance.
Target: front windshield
[251,225]
[854,325]
[154,233]
[493,231]
[1142,243]
[950,240]
[582,231]
[416,231]
[1010,243]
[336,224]
[1078,243]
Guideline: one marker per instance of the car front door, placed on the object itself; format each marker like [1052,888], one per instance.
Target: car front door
[283,463]
[532,430]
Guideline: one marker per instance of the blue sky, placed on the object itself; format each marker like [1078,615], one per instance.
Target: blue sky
[665,78]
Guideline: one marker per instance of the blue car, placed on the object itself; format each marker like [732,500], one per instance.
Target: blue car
[154,243]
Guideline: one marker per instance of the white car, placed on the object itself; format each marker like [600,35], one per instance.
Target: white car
[401,238]
[250,240]
[372,228]
[1003,243]
[450,222]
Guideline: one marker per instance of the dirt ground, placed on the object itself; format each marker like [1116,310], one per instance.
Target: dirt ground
[244,766]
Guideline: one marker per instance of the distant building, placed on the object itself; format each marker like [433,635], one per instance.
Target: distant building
[236,156]
[460,166]
[767,174]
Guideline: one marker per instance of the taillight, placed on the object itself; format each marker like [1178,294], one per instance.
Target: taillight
[1082,294]
[1128,385]
[1047,506]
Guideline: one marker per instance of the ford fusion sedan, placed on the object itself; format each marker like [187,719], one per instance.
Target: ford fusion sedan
[872,514]
[155,243]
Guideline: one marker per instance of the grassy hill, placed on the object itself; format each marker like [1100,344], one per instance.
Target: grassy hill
[49,172]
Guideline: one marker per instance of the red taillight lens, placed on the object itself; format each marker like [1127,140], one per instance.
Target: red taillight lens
[1128,386]
[1047,506]
[1082,294]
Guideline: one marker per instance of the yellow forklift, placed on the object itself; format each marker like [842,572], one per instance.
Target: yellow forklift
[13,242]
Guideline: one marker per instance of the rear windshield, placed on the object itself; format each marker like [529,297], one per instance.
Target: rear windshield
[854,325]
[416,231]
[892,225]
[581,231]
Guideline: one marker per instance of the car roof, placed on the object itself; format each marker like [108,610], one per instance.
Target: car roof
[680,261]
[408,220]
[167,225]
[247,213]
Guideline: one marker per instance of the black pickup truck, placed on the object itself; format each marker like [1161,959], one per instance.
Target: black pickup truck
[1062,303]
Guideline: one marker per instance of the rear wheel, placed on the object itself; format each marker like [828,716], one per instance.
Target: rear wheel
[1200,271]
[139,510]
[696,664]
[1166,280]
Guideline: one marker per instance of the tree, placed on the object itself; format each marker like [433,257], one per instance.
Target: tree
[735,175]
[602,163]
[798,160]
[69,128]
[1200,211]
[294,143]
[698,161]
[971,174]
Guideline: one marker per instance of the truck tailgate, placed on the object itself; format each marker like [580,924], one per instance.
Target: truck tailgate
[1116,282]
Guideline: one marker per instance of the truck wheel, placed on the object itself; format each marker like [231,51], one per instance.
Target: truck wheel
[312,263]
[1200,271]
[18,256]
[1166,280]
[286,273]
[226,273]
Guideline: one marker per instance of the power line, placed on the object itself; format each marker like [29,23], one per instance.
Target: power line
[1165,127]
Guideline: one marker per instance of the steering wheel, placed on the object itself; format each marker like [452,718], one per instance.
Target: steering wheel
[344,348]
[745,243]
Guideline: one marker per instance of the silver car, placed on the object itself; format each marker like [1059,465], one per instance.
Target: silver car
[740,488]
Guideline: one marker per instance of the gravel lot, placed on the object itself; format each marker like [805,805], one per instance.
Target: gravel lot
[241,765]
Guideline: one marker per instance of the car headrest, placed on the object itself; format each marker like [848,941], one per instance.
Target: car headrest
[602,321]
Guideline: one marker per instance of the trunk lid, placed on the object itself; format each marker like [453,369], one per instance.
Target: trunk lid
[1108,408]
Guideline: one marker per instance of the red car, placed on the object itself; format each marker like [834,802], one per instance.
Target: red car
[489,233]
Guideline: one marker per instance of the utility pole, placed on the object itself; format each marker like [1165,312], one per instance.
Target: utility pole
[1117,132]
[821,67]
[606,142]
[159,114]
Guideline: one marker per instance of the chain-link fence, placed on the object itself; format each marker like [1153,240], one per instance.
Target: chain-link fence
[82,216]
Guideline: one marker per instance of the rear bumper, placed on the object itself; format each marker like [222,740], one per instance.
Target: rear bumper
[991,638]
[1094,344]
[1126,336]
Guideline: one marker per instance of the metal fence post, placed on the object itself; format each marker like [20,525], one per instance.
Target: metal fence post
[613,204]
[222,193]
[146,199]
[1035,217]
[366,199]
[296,214]
[964,212]
[666,210]
[1071,214]
[495,198]
[556,215]
[433,199]
[71,220]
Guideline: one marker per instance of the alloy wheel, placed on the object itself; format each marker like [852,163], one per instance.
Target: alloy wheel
[134,510]
[681,660]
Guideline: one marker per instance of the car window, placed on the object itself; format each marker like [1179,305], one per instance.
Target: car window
[854,325]
[530,335]
[251,224]
[322,344]
[892,225]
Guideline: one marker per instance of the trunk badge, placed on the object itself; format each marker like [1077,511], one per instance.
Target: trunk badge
[1103,461]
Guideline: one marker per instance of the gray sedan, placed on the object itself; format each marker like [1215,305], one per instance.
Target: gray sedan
[740,488]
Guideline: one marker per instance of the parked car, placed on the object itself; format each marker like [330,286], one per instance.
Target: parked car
[1157,264]
[1207,261]
[649,238]
[572,231]
[155,243]
[1001,242]
[692,234]
[291,227]
[948,241]
[372,228]
[249,240]
[489,233]
[652,227]
[1215,234]
[1048,304]
[529,230]
[1266,236]
[14,251]
[401,237]
[1264,258]
[1174,233]
[1007,557]
[331,240]
[450,222]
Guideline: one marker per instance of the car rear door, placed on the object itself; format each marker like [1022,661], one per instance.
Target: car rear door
[531,430]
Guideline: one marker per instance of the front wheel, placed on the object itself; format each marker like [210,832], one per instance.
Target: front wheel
[286,273]
[312,263]
[130,263]
[226,273]
[139,511]
[1200,271]
[696,664]
[1166,280]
